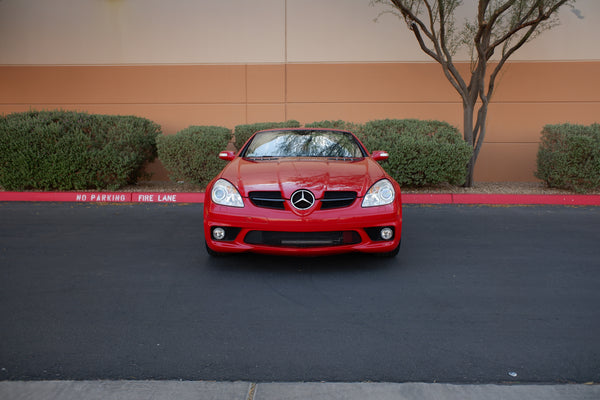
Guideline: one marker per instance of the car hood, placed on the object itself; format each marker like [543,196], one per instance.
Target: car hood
[288,175]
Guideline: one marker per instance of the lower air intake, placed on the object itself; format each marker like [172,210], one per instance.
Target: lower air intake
[302,239]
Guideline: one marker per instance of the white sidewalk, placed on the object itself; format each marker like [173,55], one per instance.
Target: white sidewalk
[192,390]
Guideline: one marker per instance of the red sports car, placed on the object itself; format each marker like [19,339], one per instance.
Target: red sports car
[303,192]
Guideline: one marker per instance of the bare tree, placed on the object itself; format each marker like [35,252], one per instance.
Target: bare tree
[499,26]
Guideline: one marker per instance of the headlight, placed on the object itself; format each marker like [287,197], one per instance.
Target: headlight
[225,194]
[379,194]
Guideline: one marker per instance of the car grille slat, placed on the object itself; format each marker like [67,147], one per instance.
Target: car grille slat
[302,239]
[337,199]
[267,199]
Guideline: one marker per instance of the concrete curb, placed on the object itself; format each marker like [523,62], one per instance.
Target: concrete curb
[408,198]
[183,390]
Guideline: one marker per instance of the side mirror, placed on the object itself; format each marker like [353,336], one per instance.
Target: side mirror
[227,155]
[380,155]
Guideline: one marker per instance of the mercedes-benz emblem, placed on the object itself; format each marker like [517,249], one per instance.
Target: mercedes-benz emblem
[302,199]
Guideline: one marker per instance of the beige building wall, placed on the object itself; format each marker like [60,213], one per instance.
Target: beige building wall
[228,62]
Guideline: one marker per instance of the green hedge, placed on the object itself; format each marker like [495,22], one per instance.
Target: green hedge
[569,157]
[63,150]
[191,155]
[339,124]
[422,153]
[67,150]
[243,132]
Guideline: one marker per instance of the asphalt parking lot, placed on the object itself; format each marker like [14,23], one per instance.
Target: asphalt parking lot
[477,295]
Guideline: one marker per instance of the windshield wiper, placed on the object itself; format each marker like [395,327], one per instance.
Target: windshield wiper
[262,158]
[343,158]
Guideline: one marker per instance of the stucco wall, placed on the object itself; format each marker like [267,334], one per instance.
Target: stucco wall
[229,62]
[241,31]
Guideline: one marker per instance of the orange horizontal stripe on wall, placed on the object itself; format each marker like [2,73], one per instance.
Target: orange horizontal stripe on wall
[529,95]
[123,84]
[294,83]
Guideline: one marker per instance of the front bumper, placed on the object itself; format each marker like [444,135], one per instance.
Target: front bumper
[282,232]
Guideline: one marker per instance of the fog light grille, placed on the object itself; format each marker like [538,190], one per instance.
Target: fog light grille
[375,233]
[229,235]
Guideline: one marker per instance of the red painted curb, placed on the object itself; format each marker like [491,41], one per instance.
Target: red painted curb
[427,198]
[180,197]
[502,199]
[102,197]
[408,198]
[88,197]
[548,199]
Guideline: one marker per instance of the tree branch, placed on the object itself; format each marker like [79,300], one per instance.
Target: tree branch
[443,40]
[524,23]
[443,57]
[411,19]
[506,55]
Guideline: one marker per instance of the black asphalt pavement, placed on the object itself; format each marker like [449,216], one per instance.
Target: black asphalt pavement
[477,295]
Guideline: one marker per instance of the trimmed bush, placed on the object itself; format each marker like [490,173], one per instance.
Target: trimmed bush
[569,157]
[339,124]
[422,153]
[243,132]
[192,154]
[63,150]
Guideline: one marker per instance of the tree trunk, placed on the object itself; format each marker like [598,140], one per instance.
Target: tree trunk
[468,109]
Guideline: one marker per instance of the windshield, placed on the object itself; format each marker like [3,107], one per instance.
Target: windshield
[304,143]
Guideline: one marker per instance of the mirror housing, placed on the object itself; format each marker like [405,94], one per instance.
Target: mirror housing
[380,155]
[227,155]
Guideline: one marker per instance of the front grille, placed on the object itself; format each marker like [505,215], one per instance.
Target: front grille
[302,239]
[337,199]
[267,199]
[274,200]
